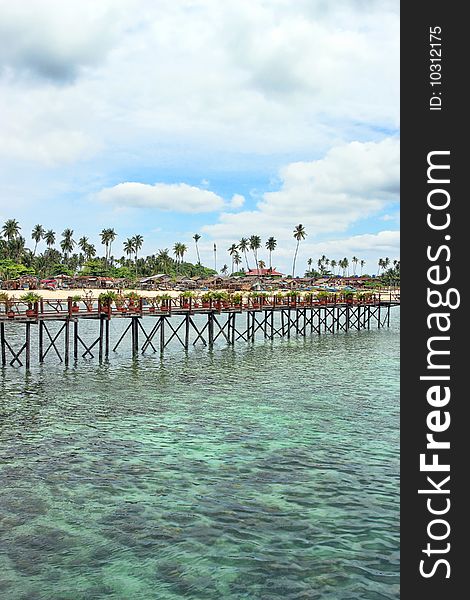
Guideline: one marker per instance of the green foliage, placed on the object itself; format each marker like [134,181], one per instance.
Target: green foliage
[30,298]
[60,269]
[107,298]
[9,269]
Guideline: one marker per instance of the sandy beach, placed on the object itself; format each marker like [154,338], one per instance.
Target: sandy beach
[63,294]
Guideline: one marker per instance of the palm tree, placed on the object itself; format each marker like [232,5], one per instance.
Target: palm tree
[37,234]
[177,251]
[380,264]
[224,270]
[83,243]
[11,229]
[163,259]
[137,242]
[355,260]
[232,251]
[309,264]
[49,238]
[271,245]
[299,234]
[255,245]
[261,264]
[128,247]
[345,266]
[362,263]
[89,251]
[237,259]
[243,245]
[67,244]
[183,250]
[107,238]
[333,264]
[196,238]
[215,256]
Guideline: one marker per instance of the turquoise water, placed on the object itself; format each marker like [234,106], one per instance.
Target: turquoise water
[261,471]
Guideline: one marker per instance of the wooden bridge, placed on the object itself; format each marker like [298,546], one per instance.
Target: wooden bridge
[152,325]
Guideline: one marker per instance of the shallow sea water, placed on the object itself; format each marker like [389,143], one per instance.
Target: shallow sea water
[262,471]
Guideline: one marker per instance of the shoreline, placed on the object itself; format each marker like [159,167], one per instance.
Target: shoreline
[63,294]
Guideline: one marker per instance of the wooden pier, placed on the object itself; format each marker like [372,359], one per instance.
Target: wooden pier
[151,327]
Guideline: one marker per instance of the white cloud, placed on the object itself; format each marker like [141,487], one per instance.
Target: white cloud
[51,41]
[351,182]
[178,197]
[237,201]
[144,79]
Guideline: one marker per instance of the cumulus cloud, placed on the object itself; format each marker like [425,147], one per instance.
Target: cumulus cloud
[352,182]
[237,201]
[52,40]
[178,197]
[226,79]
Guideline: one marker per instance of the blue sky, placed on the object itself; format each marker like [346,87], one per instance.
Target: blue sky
[225,119]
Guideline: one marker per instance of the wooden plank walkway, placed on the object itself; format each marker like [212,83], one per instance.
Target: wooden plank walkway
[186,323]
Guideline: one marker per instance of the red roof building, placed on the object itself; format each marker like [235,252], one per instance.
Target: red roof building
[265,273]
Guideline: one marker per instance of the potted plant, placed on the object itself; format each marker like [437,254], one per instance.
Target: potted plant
[254,298]
[292,296]
[166,302]
[88,299]
[106,300]
[206,299]
[75,300]
[30,299]
[279,298]
[153,301]
[237,300]
[119,302]
[133,299]
[308,298]
[8,304]
[185,299]
[349,297]
[322,297]
[219,297]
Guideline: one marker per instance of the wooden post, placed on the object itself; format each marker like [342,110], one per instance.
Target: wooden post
[106,345]
[233,327]
[28,346]
[67,341]
[100,347]
[2,335]
[75,340]
[388,315]
[135,337]
[211,328]
[186,327]
[41,341]
[162,333]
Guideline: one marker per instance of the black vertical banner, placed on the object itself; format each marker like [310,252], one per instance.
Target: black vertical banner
[434,312]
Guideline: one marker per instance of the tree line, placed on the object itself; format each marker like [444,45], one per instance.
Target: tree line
[65,254]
